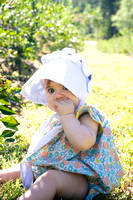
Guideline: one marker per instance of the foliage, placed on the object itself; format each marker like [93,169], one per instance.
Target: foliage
[123,19]
[120,44]
[58,31]
[18,25]
[97,17]
[28,26]
[107,8]
[7,95]
[93,21]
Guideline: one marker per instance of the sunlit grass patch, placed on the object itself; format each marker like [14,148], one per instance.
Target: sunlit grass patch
[11,190]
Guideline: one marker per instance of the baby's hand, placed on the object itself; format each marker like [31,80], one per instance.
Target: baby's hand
[64,107]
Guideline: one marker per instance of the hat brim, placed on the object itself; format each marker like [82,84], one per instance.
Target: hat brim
[60,71]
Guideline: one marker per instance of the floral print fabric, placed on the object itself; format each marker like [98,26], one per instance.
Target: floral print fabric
[100,164]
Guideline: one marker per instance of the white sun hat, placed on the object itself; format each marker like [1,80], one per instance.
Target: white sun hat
[64,67]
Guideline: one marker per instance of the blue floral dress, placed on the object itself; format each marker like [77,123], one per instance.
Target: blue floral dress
[100,164]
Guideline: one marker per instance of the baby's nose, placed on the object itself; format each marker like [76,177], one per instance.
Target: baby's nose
[59,95]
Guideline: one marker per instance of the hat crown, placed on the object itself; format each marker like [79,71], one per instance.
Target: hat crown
[65,54]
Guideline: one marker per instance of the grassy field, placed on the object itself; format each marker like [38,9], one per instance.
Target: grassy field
[113,93]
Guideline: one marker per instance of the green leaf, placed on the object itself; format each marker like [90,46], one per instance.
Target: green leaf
[17,90]
[6,110]
[4,100]
[14,99]
[1,147]
[10,140]
[7,133]
[10,122]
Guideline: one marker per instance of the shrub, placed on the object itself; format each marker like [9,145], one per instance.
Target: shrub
[28,26]
[17,34]
[7,95]
[120,44]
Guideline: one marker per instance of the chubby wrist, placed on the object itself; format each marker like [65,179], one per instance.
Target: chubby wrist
[67,116]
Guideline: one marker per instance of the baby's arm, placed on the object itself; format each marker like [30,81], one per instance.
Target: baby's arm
[81,132]
[11,173]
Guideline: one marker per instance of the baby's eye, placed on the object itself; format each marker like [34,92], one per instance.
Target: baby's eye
[64,88]
[51,90]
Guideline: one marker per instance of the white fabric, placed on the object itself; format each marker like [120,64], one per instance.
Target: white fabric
[37,141]
[26,174]
[64,67]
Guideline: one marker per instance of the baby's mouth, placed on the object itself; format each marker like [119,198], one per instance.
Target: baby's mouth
[62,99]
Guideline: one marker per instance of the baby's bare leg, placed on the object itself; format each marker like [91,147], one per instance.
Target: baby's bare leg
[57,183]
[11,173]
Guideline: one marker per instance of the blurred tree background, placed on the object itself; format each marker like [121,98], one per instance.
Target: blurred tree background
[31,28]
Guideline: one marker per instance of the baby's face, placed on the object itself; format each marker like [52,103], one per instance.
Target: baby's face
[56,92]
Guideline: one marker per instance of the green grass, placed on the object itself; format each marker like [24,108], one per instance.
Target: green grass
[12,191]
[113,93]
